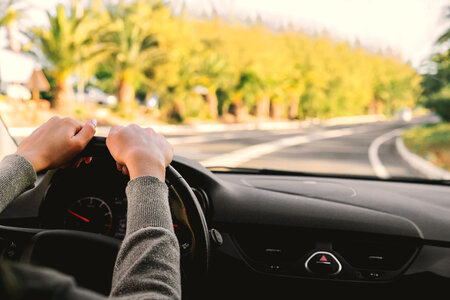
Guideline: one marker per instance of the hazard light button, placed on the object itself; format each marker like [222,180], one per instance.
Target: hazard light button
[323,263]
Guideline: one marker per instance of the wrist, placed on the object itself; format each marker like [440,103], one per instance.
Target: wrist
[146,166]
[34,161]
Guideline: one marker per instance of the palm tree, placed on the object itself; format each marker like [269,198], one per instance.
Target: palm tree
[132,47]
[68,44]
[446,36]
[252,89]
[10,15]
[212,73]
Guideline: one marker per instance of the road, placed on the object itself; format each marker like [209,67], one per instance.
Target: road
[364,149]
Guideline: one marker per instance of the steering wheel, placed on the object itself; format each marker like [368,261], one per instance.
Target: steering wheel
[75,252]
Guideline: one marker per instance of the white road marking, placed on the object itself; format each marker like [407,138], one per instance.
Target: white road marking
[238,157]
[194,139]
[378,167]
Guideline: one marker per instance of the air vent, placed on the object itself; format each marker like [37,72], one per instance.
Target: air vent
[375,255]
[273,247]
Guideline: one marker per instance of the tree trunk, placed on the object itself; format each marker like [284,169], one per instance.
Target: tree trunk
[262,107]
[14,44]
[80,90]
[376,106]
[126,92]
[211,98]
[235,108]
[275,110]
[125,97]
[372,108]
[62,100]
[293,107]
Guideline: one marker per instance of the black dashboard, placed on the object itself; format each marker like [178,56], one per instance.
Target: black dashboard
[326,234]
[86,199]
[273,233]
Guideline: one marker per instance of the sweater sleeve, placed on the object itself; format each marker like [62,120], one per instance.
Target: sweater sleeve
[16,175]
[148,263]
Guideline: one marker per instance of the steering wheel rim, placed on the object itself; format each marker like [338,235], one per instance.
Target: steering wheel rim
[195,270]
[194,267]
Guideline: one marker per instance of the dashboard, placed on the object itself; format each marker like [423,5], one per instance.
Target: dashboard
[86,199]
[286,233]
[92,199]
[272,233]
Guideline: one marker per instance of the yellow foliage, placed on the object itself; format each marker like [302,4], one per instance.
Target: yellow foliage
[302,76]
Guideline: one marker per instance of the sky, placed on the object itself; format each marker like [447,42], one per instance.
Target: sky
[409,27]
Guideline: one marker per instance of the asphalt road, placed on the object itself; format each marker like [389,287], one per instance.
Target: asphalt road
[327,150]
[364,149]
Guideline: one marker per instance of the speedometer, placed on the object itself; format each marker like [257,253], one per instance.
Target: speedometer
[90,214]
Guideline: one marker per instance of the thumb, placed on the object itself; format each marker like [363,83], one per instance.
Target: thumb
[87,132]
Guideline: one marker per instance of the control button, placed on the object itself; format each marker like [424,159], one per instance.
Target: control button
[323,263]
[216,237]
[270,251]
[274,267]
[375,258]
[273,258]
[372,275]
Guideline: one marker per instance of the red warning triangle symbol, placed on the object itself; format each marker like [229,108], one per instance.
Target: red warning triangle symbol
[323,258]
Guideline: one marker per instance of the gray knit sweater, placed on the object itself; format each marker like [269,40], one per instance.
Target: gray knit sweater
[147,266]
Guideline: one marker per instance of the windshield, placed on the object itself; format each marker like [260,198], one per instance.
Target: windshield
[347,87]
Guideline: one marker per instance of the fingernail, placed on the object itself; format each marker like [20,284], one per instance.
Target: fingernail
[93,122]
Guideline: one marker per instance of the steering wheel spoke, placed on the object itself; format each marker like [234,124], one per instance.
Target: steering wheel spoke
[13,241]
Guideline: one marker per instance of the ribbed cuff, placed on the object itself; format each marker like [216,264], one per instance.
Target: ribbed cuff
[148,204]
[17,174]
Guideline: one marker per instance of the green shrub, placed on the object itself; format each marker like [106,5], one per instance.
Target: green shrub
[432,142]
[440,103]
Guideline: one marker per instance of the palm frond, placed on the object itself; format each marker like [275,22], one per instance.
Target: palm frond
[445,37]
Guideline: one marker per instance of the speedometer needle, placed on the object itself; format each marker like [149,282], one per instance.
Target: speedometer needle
[78,216]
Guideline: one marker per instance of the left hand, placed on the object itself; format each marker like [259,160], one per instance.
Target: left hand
[56,142]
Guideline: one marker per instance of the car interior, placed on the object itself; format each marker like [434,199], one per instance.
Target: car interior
[243,234]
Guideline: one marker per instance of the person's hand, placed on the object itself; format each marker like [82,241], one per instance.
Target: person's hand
[55,143]
[139,151]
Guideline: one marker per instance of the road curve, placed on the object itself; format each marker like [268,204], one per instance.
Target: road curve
[367,149]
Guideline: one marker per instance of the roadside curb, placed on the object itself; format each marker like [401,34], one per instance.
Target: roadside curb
[191,129]
[222,127]
[418,163]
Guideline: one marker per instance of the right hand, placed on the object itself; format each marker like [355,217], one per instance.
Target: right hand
[139,151]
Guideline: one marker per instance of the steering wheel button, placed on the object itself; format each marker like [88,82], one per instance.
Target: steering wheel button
[323,263]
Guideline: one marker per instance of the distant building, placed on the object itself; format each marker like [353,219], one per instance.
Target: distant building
[15,71]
